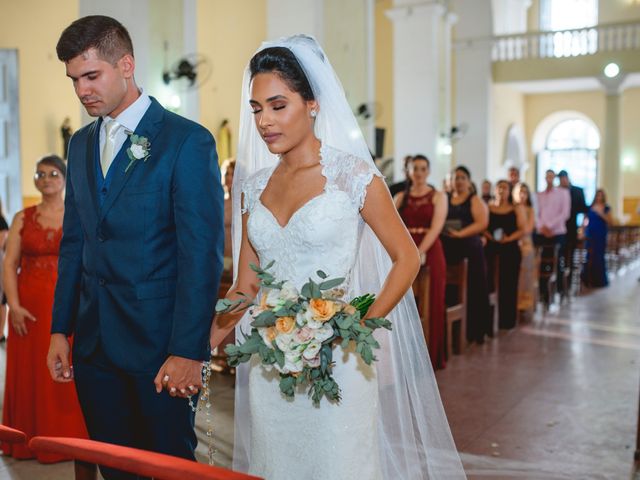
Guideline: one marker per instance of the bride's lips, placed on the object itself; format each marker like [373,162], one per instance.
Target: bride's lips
[271,137]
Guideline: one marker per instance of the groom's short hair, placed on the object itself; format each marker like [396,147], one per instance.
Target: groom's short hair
[105,34]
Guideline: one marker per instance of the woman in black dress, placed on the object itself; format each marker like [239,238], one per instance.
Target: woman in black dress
[506,227]
[466,220]
[4,232]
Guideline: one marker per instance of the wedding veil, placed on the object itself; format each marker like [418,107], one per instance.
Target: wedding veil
[415,440]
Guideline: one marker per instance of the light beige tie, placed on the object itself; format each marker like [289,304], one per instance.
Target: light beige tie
[111,129]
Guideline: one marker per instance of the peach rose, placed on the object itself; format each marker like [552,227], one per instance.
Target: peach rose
[285,324]
[268,335]
[322,310]
[349,309]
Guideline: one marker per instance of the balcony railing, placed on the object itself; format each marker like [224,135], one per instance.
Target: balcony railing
[567,43]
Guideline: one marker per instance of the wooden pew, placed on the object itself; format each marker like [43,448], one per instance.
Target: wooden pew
[457,312]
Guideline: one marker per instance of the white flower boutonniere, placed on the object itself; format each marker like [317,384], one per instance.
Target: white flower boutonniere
[140,149]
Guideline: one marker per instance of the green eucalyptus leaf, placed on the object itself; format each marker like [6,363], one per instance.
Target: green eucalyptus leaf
[329,284]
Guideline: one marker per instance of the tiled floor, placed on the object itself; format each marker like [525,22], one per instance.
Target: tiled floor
[554,399]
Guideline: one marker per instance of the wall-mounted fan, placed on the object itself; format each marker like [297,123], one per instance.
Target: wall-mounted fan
[456,132]
[188,72]
[368,110]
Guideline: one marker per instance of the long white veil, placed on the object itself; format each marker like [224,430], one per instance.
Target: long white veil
[415,440]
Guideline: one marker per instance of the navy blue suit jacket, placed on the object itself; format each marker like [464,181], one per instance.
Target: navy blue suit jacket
[139,270]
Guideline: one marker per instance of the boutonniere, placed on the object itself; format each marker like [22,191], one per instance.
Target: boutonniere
[140,149]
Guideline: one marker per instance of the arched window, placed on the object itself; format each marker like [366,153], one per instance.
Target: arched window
[572,145]
[562,15]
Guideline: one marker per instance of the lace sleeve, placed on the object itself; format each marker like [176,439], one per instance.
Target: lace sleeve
[350,174]
[362,175]
[248,198]
[252,189]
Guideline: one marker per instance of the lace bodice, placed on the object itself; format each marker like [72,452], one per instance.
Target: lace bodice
[323,234]
[39,246]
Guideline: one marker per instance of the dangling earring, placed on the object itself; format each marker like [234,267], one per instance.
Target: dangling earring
[313,114]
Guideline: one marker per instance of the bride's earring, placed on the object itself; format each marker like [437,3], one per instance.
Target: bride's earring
[313,114]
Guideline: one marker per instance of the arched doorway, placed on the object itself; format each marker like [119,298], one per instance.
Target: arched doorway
[570,142]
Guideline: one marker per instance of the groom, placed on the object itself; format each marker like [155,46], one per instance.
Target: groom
[141,253]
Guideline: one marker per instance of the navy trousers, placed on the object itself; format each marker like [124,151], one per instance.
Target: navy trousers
[123,408]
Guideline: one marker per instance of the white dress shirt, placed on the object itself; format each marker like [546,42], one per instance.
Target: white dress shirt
[129,119]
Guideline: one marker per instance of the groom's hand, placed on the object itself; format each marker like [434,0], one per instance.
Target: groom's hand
[181,377]
[58,359]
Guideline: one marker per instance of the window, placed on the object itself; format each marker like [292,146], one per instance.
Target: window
[572,145]
[562,15]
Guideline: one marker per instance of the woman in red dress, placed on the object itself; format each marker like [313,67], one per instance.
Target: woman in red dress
[33,402]
[424,211]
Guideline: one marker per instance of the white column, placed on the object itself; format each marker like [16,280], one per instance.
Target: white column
[289,17]
[473,85]
[610,176]
[191,98]
[417,67]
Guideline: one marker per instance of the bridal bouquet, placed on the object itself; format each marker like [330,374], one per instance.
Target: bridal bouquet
[294,331]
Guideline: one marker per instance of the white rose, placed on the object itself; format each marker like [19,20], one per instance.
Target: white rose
[301,320]
[314,362]
[312,350]
[325,332]
[292,363]
[137,151]
[284,342]
[304,334]
[273,297]
[289,292]
[309,321]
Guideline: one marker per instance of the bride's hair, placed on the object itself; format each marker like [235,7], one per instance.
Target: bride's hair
[282,62]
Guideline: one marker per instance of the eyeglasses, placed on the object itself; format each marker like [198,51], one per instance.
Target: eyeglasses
[53,174]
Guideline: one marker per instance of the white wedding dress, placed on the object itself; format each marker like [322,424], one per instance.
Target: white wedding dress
[293,439]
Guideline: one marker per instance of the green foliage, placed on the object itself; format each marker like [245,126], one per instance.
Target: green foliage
[347,326]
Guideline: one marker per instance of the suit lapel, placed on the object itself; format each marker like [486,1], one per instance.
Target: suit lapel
[93,142]
[148,127]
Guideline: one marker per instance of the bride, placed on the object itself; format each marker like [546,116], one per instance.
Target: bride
[308,197]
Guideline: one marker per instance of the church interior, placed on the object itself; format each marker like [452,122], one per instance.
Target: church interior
[494,85]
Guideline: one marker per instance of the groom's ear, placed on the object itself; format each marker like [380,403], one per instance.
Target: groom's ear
[127,65]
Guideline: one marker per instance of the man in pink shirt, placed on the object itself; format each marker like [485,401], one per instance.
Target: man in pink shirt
[554,209]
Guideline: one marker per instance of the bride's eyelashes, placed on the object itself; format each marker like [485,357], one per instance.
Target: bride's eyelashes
[279,107]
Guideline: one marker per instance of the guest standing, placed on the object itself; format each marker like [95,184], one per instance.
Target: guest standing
[487,195]
[228,168]
[578,206]
[424,210]
[4,232]
[467,218]
[33,402]
[402,186]
[598,221]
[506,226]
[527,281]
[554,209]
[513,175]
